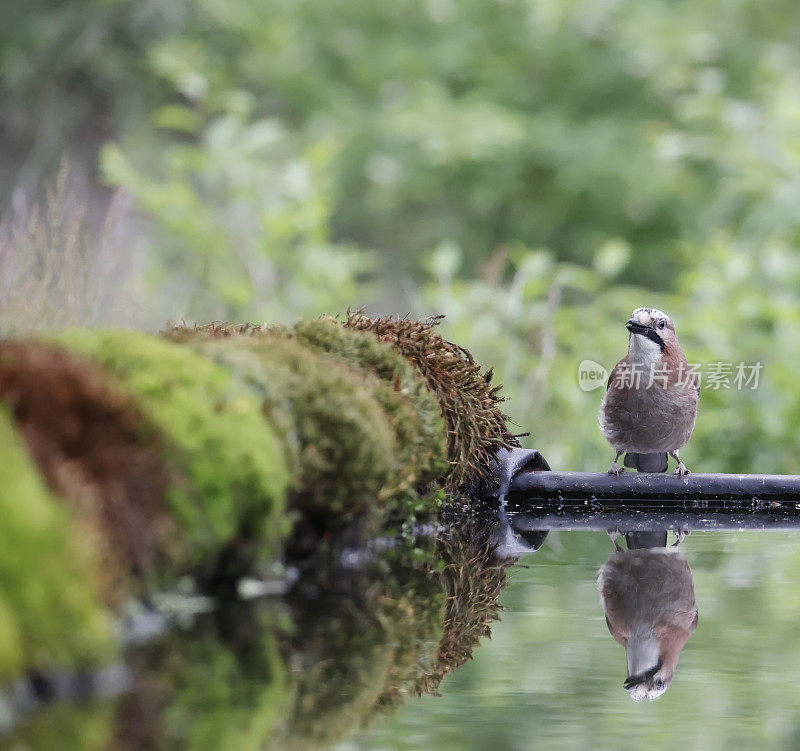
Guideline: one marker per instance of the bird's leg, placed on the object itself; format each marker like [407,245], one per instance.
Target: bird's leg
[680,535]
[615,469]
[681,470]
[614,534]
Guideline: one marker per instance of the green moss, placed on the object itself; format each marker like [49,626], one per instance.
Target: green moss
[343,443]
[320,384]
[230,470]
[243,361]
[50,615]
[412,408]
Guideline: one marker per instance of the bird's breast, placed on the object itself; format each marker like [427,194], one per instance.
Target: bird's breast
[641,589]
[649,418]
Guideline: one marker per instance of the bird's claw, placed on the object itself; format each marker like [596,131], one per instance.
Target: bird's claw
[614,534]
[616,470]
[681,470]
[680,535]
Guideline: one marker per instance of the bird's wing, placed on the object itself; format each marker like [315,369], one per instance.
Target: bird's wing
[695,620]
[621,365]
[616,633]
[693,381]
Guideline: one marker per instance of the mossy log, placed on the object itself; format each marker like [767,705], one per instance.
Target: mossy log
[195,452]
[52,609]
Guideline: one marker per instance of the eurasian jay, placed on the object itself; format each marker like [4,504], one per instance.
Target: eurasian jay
[650,405]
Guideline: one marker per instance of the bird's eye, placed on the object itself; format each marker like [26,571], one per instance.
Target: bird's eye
[659,684]
[662,324]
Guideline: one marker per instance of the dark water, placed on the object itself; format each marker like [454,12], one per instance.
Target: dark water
[367,653]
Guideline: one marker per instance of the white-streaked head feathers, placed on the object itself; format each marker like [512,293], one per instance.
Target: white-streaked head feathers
[651,317]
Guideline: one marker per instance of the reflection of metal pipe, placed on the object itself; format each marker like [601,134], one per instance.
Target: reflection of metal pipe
[508,463]
[631,519]
[511,543]
[587,500]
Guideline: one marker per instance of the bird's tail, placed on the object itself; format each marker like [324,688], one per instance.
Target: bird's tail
[638,540]
[647,462]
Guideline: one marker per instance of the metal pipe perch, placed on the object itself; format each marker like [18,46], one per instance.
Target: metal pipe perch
[544,500]
[757,490]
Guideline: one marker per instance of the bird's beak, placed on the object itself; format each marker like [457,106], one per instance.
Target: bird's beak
[634,326]
[635,680]
[639,328]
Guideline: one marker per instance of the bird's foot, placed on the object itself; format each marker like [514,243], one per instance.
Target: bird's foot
[616,470]
[614,534]
[680,535]
[681,470]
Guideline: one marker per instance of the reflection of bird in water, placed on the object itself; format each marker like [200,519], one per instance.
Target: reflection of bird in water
[649,538]
[646,539]
[648,599]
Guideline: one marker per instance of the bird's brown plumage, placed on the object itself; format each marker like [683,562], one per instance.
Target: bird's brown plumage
[650,404]
[649,603]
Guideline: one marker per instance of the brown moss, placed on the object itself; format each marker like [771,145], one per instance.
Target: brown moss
[87,441]
[182,333]
[476,426]
[473,579]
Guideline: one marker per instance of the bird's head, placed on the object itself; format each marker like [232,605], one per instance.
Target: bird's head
[650,683]
[652,334]
[652,657]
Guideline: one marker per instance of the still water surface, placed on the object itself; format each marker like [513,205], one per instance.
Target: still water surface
[551,675]
[372,652]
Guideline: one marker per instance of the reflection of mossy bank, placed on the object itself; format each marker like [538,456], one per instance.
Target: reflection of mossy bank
[474,579]
[332,656]
[366,638]
[364,645]
[363,642]
[200,451]
[223,685]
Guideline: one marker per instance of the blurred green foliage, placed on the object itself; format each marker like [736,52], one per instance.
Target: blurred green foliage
[533,168]
[731,307]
